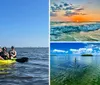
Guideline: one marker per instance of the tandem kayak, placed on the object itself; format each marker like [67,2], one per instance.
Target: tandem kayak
[7,62]
[11,61]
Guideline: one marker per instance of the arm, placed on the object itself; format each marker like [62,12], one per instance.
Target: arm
[8,55]
[1,58]
[14,54]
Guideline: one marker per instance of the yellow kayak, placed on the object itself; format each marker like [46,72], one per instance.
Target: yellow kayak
[7,62]
[11,61]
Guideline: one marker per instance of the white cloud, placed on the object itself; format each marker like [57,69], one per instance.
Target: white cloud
[60,51]
[75,51]
[81,50]
[89,50]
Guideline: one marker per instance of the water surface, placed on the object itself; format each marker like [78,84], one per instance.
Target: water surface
[33,72]
[73,31]
[75,70]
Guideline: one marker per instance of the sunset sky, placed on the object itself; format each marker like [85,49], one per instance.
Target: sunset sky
[75,10]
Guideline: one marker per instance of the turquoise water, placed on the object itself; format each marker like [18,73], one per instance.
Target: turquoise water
[75,70]
[72,31]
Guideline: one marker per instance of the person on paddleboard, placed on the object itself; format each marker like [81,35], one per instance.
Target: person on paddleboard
[4,54]
[12,52]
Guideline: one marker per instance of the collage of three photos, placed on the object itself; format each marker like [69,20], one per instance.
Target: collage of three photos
[49,42]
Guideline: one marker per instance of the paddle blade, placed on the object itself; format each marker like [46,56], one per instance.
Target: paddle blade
[22,60]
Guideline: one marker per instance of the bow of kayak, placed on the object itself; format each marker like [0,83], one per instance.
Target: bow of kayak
[7,62]
[11,61]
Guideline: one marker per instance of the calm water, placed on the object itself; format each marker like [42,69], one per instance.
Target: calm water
[34,72]
[75,70]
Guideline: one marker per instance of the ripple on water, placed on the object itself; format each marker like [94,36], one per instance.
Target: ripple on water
[34,72]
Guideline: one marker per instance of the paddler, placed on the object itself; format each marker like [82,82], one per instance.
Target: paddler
[12,53]
[1,54]
[4,54]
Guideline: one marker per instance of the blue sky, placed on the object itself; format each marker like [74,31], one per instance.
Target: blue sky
[66,46]
[75,48]
[24,23]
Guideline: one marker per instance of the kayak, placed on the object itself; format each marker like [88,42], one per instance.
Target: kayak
[14,60]
[7,62]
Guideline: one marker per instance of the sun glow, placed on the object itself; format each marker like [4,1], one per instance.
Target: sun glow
[80,18]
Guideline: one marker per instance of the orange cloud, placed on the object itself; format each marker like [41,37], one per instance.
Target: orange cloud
[88,11]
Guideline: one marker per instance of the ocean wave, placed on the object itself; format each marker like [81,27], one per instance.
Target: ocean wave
[58,30]
[78,36]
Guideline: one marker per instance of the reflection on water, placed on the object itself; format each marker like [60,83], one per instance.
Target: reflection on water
[75,70]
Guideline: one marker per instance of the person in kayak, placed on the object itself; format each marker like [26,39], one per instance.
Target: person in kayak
[1,54]
[4,54]
[12,52]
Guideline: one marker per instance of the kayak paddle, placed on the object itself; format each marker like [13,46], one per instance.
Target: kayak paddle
[22,60]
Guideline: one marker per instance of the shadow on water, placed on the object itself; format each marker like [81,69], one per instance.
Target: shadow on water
[75,70]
